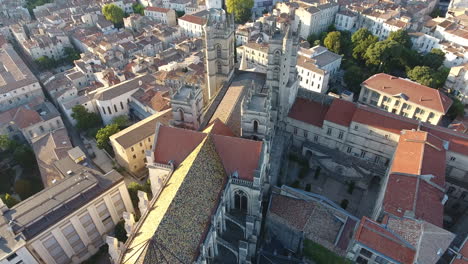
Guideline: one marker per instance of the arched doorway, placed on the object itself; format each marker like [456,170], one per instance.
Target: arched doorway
[240,201]
[255,126]
[181,115]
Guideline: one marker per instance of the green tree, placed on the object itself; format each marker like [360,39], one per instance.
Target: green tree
[180,13]
[114,14]
[241,9]
[422,75]
[436,13]
[333,42]
[353,78]
[360,35]
[384,55]
[138,9]
[121,121]
[457,109]
[71,54]
[24,188]
[312,38]
[103,134]
[133,189]
[119,231]
[434,59]
[360,47]
[402,37]
[440,76]
[85,120]
[46,63]
[6,143]
[24,156]
[9,200]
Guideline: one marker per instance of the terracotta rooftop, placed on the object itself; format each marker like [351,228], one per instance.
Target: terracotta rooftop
[384,241]
[308,111]
[415,92]
[416,182]
[237,154]
[157,9]
[341,112]
[194,19]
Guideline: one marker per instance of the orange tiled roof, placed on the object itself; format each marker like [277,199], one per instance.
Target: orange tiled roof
[237,154]
[416,93]
[309,112]
[385,241]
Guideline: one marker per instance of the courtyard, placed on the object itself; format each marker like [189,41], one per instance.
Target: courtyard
[352,189]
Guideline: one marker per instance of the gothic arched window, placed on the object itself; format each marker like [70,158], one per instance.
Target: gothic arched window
[240,201]
[255,126]
[181,115]
[276,73]
[277,57]
[218,51]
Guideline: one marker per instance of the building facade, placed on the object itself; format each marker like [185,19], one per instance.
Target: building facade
[404,97]
[38,234]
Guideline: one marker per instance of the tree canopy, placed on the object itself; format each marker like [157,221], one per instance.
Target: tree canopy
[427,76]
[241,9]
[360,47]
[114,14]
[71,54]
[103,134]
[138,9]
[85,120]
[402,37]
[384,55]
[8,200]
[353,78]
[457,109]
[434,59]
[24,156]
[334,42]
[121,121]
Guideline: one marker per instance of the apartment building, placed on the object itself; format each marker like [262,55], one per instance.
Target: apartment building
[311,77]
[30,121]
[254,56]
[44,45]
[345,20]
[162,15]
[67,222]
[130,145]
[457,82]
[18,85]
[192,25]
[314,18]
[366,132]
[404,97]
[316,67]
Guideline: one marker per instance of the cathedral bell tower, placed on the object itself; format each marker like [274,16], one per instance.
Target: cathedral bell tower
[281,69]
[219,46]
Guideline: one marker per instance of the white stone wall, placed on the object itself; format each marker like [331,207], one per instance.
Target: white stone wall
[36,243]
[19,96]
[114,107]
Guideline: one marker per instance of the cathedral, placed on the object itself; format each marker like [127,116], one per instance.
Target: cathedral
[209,170]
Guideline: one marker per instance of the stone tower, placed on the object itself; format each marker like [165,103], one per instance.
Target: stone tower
[219,46]
[281,69]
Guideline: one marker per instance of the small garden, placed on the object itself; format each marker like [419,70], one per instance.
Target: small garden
[321,255]
[29,182]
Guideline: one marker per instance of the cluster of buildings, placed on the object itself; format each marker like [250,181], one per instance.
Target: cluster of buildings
[211,131]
